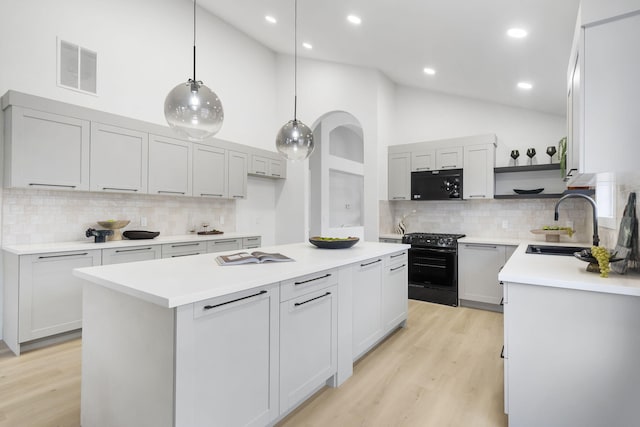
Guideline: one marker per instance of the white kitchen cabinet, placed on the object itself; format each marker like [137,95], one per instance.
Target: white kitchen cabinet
[175,250]
[122,255]
[41,296]
[395,289]
[251,242]
[119,159]
[45,150]
[423,160]
[170,166]
[237,175]
[367,305]
[449,158]
[603,129]
[477,177]
[308,343]
[224,245]
[210,172]
[399,173]
[266,166]
[227,360]
[478,268]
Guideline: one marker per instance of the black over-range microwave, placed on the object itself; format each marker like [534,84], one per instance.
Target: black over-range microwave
[437,185]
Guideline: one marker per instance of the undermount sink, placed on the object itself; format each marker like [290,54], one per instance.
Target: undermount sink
[554,250]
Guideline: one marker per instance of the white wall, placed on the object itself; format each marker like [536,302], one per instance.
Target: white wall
[423,116]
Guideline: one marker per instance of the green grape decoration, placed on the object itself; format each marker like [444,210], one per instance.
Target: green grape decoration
[602,255]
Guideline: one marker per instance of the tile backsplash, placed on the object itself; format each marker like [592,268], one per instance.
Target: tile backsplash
[44,216]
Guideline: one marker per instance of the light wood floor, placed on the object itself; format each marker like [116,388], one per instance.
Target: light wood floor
[444,369]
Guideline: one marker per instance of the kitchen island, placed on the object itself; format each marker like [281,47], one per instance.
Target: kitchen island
[187,342]
[571,343]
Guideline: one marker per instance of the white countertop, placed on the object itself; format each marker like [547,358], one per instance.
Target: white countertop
[390,236]
[564,272]
[89,243]
[492,241]
[173,282]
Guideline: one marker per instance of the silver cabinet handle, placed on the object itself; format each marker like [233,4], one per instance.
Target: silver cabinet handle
[370,263]
[182,245]
[119,189]
[238,197]
[133,250]
[478,195]
[35,184]
[210,195]
[209,307]
[397,255]
[398,268]
[170,192]
[479,246]
[312,299]
[63,255]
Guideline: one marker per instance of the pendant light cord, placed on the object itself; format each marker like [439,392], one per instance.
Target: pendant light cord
[194,41]
[295,60]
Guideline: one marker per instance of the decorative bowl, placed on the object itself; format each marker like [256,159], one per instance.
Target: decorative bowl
[333,242]
[115,225]
[140,234]
[535,191]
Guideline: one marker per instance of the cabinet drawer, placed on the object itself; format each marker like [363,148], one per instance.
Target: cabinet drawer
[122,255]
[224,245]
[213,306]
[304,284]
[172,250]
[252,242]
[396,258]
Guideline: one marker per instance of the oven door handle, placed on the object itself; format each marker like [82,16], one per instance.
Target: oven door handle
[418,264]
[440,251]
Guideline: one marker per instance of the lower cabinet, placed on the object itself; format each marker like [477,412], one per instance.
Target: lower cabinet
[395,291]
[229,358]
[478,268]
[308,337]
[122,255]
[367,305]
[174,250]
[224,245]
[42,297]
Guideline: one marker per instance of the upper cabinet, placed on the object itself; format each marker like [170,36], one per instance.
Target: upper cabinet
[477,178]
[237,175]
[170,166]
[45,150]
[449,158]
[270,167]
[603,93]
[210,171]
[423,160]
[399,176]
[53,145]
[119,159]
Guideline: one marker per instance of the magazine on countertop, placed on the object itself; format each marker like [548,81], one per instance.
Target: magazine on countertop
[253,257]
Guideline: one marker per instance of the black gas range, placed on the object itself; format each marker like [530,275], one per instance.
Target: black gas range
[433,267]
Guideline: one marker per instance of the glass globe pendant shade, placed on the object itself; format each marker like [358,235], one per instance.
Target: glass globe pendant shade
[194,110]
[295,140]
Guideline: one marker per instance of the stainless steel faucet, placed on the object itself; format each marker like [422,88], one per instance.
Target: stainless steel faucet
[596,239]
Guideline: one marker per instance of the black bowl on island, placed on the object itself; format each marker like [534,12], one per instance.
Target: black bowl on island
[334,242]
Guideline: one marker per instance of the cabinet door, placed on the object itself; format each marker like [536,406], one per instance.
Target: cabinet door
[449,158]
[308,344]
[259,165]
[395,288]
[227,361]
[277,168]
[119,159]
[237,175]
[170,166]
[574,121]
[477,177]
[209,171]
[367,305]
[399,176]
[423,160]
[122,255]
[478,268]
[46,150]
[224,245]
[50,296]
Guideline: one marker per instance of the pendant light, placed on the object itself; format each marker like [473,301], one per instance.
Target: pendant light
[192,109]
[295,140]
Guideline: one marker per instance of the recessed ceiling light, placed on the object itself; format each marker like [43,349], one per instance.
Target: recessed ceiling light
[271,19]
[516,33]
[525,85]
[429,71]
[307,45]
[354,19]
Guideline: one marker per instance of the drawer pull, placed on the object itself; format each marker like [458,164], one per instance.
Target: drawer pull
[311,280]
[182,245]
[502,353]
[397,255]
[312,299]
[448,167]
[119,189]
[238,197]
[35,184]
[398,268]
[221,242]
[502,301]
[399,198]
[132,250]
[210,195]
[170,192]
[479,245]
[178,256]
[261,173]
[252,238]
[60,256]
[370,263]
[209,307]
[277,175]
